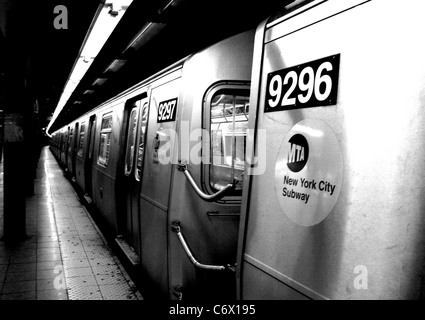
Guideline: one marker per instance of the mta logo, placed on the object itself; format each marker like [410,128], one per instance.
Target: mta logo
[298,153]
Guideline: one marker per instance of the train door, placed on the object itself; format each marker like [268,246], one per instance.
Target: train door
[65,134]
[88,161]
[60,145]
[133,161]
[68,148]
[79,160]
[74,150]
[155,183]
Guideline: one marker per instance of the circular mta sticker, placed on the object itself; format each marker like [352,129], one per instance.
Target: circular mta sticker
[308,173]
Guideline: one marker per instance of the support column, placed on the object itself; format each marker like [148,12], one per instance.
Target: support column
[14,178]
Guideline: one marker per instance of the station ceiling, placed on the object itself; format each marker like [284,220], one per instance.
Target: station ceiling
[36,58]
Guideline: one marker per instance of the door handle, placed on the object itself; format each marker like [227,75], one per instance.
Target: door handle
[207,197]
[175,226]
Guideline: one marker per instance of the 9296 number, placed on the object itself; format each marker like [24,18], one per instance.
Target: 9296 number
[311,84]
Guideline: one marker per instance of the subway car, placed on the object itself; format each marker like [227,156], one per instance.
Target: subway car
[286,162]
[158,163]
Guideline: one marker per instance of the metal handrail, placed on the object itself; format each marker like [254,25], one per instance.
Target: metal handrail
[175,226]
[207,197]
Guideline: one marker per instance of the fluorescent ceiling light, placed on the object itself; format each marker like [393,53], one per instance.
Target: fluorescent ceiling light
[80,69]
[115,65]
[103,27]
[106,19]
[148,31]
[99,81]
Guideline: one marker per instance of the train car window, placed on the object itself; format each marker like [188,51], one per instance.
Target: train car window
[142,139]
[228,128]
[105,140]
[81,140]
[131,141]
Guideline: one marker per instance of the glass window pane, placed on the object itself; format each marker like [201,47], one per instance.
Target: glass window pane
[69,140]
[142,139]
[107,122]
[229,123]
[105,140]
[92,133]
[131,139]
[81,142]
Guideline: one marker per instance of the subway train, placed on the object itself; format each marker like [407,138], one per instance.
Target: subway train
[285,162]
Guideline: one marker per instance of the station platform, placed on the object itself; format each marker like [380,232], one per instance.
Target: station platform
[65,256]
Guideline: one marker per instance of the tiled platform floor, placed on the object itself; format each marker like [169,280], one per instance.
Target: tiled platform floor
[65,256]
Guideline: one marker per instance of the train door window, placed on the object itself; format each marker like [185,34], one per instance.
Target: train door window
[228,120]
[92,132]
[105,140]
[142,140]
[81,140]
[131,140]
[70,132]
[63,141]
[60,141]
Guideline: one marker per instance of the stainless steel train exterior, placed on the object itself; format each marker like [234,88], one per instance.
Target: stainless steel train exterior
[308,172]
[138,159]
[337,209]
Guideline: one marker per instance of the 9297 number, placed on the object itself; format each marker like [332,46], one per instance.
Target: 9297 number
[310,84]
[167,110]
